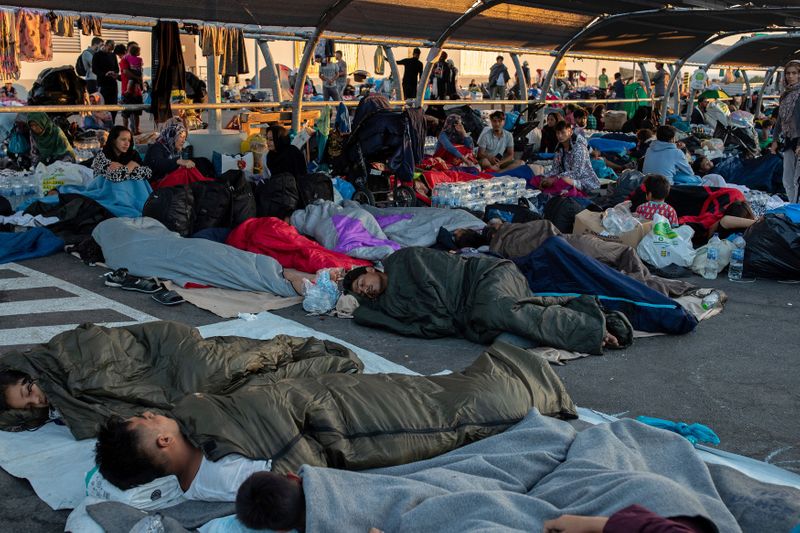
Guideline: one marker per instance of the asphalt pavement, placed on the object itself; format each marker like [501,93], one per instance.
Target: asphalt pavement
[738,372]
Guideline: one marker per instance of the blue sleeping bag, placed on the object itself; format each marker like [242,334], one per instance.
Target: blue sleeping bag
[36,242]
[611,145]
[558,269]
[764,173]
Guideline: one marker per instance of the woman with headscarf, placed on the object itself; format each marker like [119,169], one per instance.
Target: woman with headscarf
[49,141]
[118,161]
[454,144]
[282,155]
[549,138]
[787,127]
[164,155]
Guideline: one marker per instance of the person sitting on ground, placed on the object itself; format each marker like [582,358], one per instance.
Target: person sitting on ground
[581,118]
[84,375]
[569,114]
[665,158]
[430,293]
[212,443]
[699,112]
[8,91]
[657,188]
[164,155]
[49,142]
[118,160]
[512,240]
[572,166]
[98,120]
[496,146]
[549,138]
[599,115]
[454,144]
[644,138]
[642,118]
[282,155]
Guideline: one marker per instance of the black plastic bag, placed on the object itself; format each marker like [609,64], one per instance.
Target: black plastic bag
[773,248]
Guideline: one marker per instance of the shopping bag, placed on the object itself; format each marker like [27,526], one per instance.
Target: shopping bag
[665,245]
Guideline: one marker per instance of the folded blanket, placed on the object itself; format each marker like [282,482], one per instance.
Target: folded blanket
[36,242]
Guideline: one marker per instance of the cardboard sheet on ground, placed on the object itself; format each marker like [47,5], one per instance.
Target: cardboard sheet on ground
[228,303]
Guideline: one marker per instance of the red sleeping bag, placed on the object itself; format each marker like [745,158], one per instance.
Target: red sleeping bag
[180,176]
[281,241]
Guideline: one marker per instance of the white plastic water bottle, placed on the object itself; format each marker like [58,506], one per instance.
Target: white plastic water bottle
[710,301]
[712,258]
[736,266]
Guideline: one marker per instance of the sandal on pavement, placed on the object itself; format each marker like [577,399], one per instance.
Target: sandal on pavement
[165,296]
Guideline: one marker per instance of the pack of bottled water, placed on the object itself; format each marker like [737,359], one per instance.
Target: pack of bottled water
[19,187]
[477,194]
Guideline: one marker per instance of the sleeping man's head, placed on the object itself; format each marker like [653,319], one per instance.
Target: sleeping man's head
[272,501]
[137,450]
[365,281]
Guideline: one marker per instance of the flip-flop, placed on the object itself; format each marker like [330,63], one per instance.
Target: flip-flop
[167,297]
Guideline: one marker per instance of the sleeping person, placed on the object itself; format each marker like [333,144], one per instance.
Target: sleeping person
[429,293]
[212,443]
[84,375]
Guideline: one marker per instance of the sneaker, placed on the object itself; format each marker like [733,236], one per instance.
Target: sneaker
[167,297]
[121,279]
[116,278]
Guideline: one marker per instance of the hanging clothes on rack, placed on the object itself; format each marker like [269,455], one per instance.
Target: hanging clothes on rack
[35,40]
[234,62]
[169,68]
[212,40]
[62,25]
[9,56]
[91,25]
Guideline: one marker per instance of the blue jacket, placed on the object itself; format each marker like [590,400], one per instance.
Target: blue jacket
[666,159]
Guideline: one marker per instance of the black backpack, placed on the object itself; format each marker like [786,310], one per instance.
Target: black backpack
[313,187]
[173,207]
[278,196]
[243,201]
[224,203]
[561,211]
[80,68]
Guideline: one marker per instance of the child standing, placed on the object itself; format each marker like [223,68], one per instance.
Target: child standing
[132,67]
[657,187]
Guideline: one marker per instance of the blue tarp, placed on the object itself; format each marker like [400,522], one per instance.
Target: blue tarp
[763,173]
[36,242]
[556,268]
[122,198]
[792,212]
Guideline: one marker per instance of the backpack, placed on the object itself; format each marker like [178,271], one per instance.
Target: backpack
[243,201]
[224,203]
[173,207]
[313,187]
[561,211]
[80,67]
[510,213]
[278,196]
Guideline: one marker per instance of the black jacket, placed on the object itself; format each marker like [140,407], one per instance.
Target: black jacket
[160,161]
[104,62]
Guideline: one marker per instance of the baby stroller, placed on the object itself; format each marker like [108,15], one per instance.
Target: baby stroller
[59,86]
[381,153]
[735,129]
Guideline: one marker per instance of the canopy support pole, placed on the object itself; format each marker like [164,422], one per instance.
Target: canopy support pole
[269,64]
[396,85]
[748,90]
[214,93]
[522,83]
[308,55]
[645,78]
[767,80]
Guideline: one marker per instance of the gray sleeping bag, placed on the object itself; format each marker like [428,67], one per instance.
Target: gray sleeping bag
[147,248]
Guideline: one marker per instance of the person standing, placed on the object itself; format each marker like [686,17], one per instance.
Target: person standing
[341,79]
[131,68]
[106,68]
[787,127]
[659,81]
[328,73]
[498,77]
[602,81]
[412,70]
[86,60]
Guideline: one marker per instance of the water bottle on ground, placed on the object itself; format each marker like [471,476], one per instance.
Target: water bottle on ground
[737,259]
[712,258]
[710,301]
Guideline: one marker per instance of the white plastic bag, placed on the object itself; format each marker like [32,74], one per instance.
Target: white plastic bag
[700,258]
[618,219]
[62,173]
[159,493]
[665,245]
[320,297]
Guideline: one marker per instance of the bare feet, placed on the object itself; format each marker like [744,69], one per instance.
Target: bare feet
[610,341]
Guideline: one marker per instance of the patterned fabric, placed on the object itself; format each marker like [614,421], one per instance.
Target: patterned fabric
[648,210]
[788,108]
[575,164]
[100,167]
[591,122]
[172,128]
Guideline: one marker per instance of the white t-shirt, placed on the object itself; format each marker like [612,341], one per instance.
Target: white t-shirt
[494,145]
[501,80]
[218,481]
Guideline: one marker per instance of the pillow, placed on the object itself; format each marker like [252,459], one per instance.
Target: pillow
[158,494]
[225,162]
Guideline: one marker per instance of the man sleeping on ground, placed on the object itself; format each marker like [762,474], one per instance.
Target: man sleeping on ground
[212,443]
[511,240]
[430,293]
[85,375]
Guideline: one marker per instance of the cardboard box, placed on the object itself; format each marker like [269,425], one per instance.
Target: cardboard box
[592,223]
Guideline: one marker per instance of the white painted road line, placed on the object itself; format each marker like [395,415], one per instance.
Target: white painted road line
[83,300]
